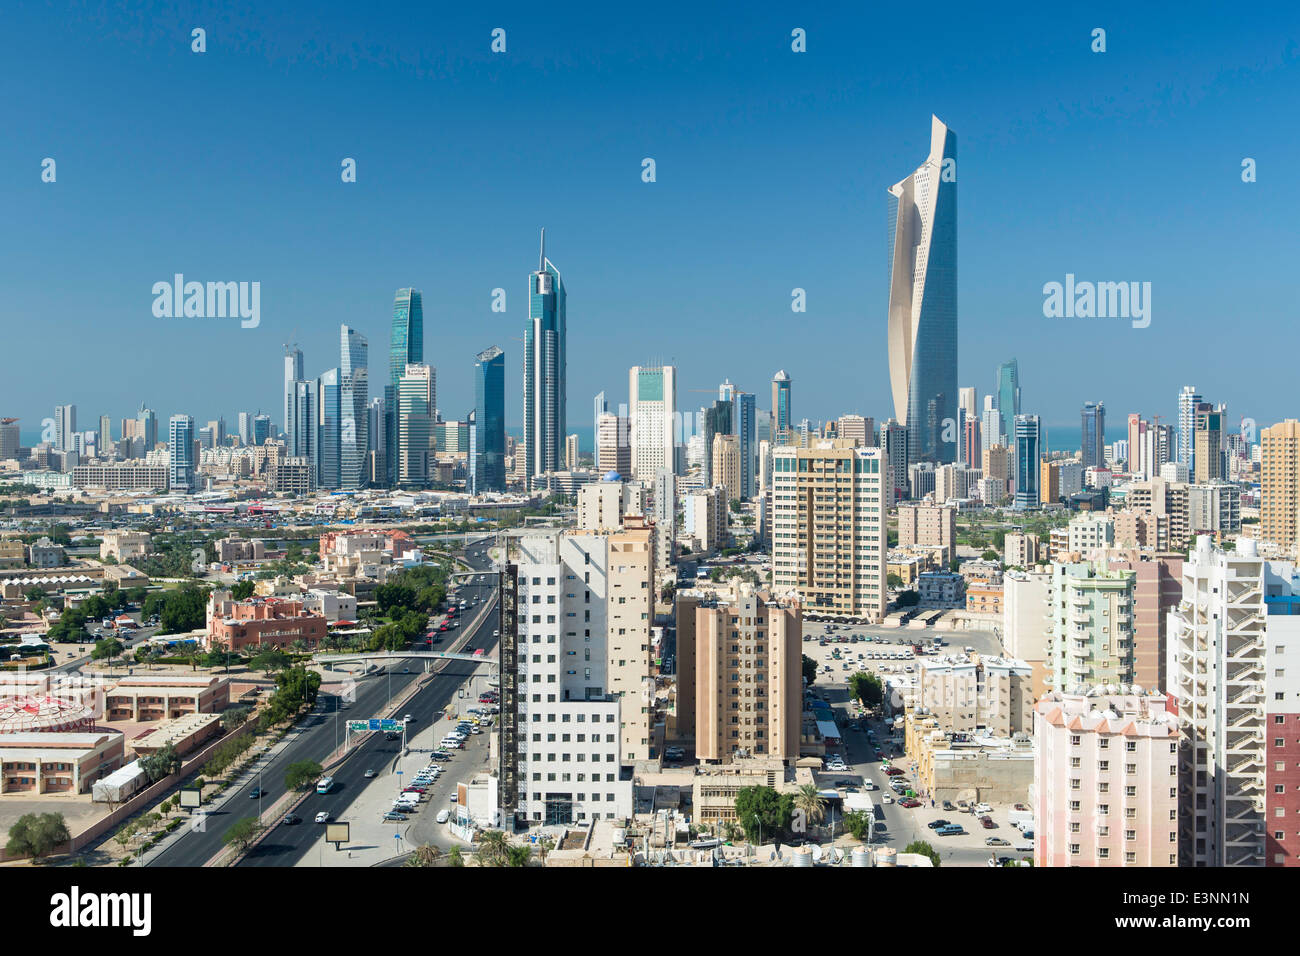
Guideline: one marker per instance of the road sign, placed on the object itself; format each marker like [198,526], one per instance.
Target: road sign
[373,724]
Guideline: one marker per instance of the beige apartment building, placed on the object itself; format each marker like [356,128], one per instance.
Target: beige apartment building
[828,527]
[123,546]
[630,614]
[930,525]
[991,695]
[746,657]
[1020,550]
[726,464]
[1280,484]
[995,462]
[1168,499]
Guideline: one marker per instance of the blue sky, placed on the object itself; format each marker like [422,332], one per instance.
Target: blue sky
[772,168]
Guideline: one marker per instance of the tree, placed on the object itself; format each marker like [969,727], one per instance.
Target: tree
[455,856]
[809,669]
[893,581]
[909,599]
[990,555]
[425,855]
[866,688]
[761,808]
[519,855]
[242,833]
[493,847]
[301,774]
[270,659]
[858,823]
[37,835]
[34,594]
[161,763]
[107,649]
[242,590]
[810,803]
[923,848]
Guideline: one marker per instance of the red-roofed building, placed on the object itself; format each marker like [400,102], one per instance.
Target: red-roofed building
[260,621]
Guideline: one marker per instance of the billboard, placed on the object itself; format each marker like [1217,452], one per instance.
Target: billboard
[337,833]
[191,797]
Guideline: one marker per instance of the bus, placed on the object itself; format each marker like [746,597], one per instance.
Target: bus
[325,785]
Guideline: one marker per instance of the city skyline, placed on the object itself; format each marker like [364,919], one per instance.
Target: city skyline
[1075,147]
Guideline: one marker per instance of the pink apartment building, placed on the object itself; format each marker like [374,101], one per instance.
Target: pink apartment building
[1105,780]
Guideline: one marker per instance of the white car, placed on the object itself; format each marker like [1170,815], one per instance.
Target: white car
[443,815]
[886,799]
[323,817]
[869,786]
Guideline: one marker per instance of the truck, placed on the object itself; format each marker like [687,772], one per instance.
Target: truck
[1020,819]
[120,785]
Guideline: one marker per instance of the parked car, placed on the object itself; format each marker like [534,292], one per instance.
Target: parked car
[894,772]
[393,816]
[935,824]
[911,803]
[987,822]
[443,815]
[996,841]
[947,805]
[952,829]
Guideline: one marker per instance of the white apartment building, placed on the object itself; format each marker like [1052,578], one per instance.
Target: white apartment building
[1026,621]
[1089,532]
[704,518]
[602,504]
[652,404]
[992,695]
[1234,669]
[1214,508]
[584,660]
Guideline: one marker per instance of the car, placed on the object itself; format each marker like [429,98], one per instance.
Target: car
[911,803]
[408,719]
[415,788]
[1021,806]
[893,772]
[290,819]
[935,824]
[886,799]
[868,785]
[443,815]
[440,755]
[393,816]
[987,822]
[257,792]
[996,841]
[452,799]
[371,774]
[952,829]
[323,817]
[983,808]
[406,670]
[947,805]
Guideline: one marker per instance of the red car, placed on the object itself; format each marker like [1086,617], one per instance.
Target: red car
[987,823]
[894,772]
[910,803]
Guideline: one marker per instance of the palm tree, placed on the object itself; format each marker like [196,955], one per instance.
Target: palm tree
[455,857]
[811,803]
[425,855]
[493,847]
[518,855]
[545,845]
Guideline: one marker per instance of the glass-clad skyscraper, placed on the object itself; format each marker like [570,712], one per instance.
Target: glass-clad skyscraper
[544,370]
[1008,395]
[923,299]
[328,424]
[354,397]
[406,347]
[781,407]
[1028,443]
[489,449]
[1094,434]
[180,440]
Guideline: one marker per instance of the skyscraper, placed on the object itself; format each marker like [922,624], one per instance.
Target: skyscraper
[377,424]
[923,298]
[1188,400]
[652,406]
[1008,397]
[406,347]
[329,415]
[148,427]
[1207,447]
[1027,448]
[65,426]
[893,439]
[293,374]
[545,376]
[781,421]
[180,438]
[1093,434]
[416,396]
[1279,472]
[490,421]
[354,399]
[105,437]
[261,429]
[302,422]
[245,427]
[742,419]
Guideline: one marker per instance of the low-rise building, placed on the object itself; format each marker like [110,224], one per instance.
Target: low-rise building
[123,546]
[53,762]
[940,589]
[260,622]
[165,697]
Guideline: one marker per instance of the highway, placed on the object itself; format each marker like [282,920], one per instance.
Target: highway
[319,735]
